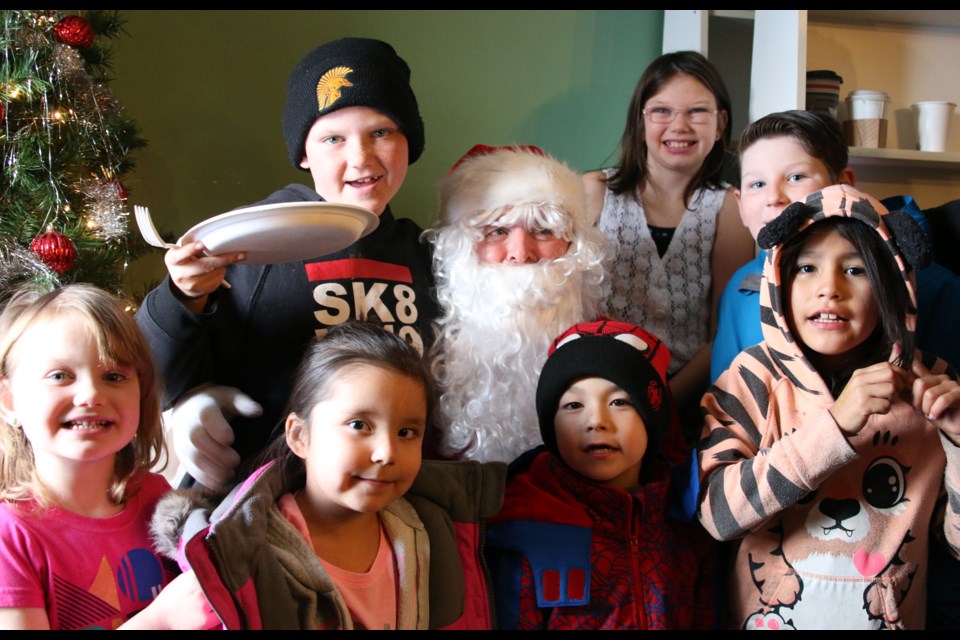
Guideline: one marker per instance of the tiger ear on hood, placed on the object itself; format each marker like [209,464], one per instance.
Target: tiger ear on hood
[915,246]
[784,225]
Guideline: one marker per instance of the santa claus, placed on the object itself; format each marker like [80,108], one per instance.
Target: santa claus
[517,261]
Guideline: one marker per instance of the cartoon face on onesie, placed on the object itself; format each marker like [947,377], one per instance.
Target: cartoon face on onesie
[847,557]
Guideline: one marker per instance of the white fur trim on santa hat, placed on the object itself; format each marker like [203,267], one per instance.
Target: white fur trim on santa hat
[510,176]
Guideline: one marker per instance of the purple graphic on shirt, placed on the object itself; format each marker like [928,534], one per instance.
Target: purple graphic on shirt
[140,575]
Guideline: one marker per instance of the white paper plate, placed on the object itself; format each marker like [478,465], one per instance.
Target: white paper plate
[285,231]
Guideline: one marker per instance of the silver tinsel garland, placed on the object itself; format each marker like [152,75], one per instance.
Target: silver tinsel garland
[21,267]
[107,217]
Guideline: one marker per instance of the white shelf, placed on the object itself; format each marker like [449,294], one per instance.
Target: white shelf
[897,157]
[776,61]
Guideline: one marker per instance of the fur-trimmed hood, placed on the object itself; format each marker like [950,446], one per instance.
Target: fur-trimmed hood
[172,514]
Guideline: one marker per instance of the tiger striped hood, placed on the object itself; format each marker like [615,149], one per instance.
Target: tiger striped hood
[901,235]
[832,527]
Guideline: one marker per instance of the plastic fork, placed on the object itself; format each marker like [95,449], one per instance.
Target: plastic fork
[148,230]
[150,233]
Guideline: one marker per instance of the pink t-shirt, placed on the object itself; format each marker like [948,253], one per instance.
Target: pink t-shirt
[371,597]
[87,573]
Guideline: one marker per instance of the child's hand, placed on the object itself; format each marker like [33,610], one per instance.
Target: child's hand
[938,398]
[194,274]
[870,390]
[179,605]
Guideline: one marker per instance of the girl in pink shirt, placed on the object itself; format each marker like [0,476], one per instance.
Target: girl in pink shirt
[79,431]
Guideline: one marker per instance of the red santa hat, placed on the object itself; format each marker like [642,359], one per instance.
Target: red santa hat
[489,178]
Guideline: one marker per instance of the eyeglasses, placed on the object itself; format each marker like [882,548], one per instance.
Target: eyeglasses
[666,115]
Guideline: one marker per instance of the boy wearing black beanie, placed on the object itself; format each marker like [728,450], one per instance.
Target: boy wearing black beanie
[351,119]
[584,540]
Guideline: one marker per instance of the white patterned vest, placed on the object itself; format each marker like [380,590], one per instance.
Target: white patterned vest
[668,296]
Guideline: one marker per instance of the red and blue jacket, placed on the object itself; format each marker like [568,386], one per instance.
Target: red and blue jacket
[567,553]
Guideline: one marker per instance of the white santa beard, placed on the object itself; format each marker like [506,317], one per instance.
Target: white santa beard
[493,347]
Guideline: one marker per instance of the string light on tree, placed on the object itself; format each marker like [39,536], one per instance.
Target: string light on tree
[65,142]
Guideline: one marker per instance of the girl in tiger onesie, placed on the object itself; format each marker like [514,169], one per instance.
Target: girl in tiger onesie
[829,449]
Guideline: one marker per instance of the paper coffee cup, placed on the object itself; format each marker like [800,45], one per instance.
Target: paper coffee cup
[933,123]
[864,104]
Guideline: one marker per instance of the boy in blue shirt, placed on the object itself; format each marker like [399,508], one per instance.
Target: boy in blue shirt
[784,157]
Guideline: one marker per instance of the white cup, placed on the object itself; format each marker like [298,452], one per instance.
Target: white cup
[933,123]
[864,104]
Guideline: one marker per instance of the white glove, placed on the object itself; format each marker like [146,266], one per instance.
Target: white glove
[202,434]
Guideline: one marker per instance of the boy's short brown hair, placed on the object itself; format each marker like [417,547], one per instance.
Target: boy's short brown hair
[819,134]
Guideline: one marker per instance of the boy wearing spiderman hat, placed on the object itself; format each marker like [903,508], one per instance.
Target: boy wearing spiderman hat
[584,540]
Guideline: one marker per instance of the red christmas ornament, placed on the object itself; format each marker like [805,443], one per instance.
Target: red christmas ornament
[55,249]
[74,31]
[121,190]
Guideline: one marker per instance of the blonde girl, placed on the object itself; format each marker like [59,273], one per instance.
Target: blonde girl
[80,429]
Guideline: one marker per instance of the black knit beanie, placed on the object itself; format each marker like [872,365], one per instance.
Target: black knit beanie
[350,72]
[626,355]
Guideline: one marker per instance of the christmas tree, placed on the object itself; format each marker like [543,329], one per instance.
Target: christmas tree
[65,142]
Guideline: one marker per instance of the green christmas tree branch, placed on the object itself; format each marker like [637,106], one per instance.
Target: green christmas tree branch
[66,145]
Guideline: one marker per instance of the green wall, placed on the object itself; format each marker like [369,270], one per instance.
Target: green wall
[207,89]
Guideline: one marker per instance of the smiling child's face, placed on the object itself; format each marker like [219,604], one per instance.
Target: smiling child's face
[832,308]
[600,433]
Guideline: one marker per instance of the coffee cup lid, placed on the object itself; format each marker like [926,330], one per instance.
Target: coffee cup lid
[823,74]
[868,94]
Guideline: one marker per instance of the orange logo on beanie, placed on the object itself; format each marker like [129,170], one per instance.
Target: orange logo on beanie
[328,88]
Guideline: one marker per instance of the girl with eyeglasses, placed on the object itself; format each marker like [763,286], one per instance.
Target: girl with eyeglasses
[673,222]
